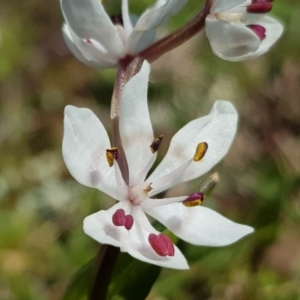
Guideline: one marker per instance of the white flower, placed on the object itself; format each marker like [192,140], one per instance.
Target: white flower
[96,41]
[238,29]
[125,224]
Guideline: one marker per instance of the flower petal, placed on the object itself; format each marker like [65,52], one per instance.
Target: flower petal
[84,150]
[153,17]
[151,203]
[87,53]
[135,125]
[274,30]
[88,20]
[216,129]
[199,225]
[224,5]
[231,41]
[99,226]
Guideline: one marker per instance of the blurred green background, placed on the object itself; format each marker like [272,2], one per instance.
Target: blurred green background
[42,207]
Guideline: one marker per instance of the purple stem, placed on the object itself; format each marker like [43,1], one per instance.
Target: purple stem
[127,68]
[178,37]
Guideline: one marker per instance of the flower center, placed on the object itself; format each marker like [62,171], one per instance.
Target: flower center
[230,16]
[136,195]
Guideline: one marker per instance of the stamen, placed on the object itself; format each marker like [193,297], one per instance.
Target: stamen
[161,244]
[148,188]
[200,151]
[128,222]
[259,7]
[194,199]
[156,143]
[111,155]
[259,30]
[208,184]
[169,243]
[120,219]
[261,1]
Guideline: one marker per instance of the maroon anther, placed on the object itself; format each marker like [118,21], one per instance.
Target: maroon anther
[120,219]
[261,1]
[259,7]
[194,199]
[156,143]
[259,30]
[128,222]
[161,244]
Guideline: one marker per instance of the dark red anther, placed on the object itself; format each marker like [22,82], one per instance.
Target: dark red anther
[156,143]
[119,217]
[169,243]
[128,222]
[261,1]
[161,244]
[259,30]
[259,8]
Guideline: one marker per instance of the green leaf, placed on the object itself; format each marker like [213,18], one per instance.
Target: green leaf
[79,286]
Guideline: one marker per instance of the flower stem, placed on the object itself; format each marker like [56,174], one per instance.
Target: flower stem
[178,37]
[105,261]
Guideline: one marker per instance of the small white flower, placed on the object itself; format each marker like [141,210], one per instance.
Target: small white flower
[96,41]
[238,29]
[125,224]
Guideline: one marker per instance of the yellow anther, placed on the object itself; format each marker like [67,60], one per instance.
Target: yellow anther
[111,155]
[200,151]
[194,199]
[193,203]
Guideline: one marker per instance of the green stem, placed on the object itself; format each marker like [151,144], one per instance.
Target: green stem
[105,262]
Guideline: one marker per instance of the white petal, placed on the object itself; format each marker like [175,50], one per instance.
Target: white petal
[134,241]
[151,203]
[231,41]
[199,225]
[224,5]
[88,20]
[166,181]
[216,129]
[87,53]
[274,30]
[155,16]
[84,150]
[135,124]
